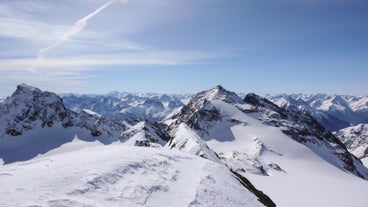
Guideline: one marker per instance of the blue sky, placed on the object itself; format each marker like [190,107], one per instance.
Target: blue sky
[173,46]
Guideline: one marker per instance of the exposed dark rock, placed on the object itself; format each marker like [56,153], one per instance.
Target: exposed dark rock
[263,198]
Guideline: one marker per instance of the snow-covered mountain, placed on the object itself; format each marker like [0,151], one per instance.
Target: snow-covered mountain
[278,149]
[216,149]
[356,139]
[130,107]
[83,159]
[33,122]
[145,134]
[334,112]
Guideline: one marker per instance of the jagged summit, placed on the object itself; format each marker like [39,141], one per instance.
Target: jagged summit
[200,109]
[35,121]
[29,106]
[220,93]
[25,87]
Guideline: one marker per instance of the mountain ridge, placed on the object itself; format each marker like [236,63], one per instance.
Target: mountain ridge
[257,141]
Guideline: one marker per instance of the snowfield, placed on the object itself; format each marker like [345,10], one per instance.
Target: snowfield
[304,175]
[292,172]
[118,175]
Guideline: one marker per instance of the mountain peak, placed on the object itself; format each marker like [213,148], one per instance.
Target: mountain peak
[220,93]
[28,104]
[25,88]
[220,87]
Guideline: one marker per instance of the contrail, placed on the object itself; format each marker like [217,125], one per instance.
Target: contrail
[77,27]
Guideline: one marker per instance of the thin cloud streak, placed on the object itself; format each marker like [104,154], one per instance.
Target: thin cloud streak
[152,58]
[76,28]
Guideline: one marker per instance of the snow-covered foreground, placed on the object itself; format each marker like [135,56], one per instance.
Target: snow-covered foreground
[117,175]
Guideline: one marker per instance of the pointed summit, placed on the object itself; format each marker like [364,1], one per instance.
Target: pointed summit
[219,93]
[201,110]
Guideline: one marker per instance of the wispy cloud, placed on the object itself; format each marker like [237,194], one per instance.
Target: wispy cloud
[70,74]
[77,27]
[85,62]
[115,39]
[29,30]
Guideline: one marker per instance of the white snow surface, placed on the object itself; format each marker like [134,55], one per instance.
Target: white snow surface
[92,113]
[298,174]
[117,175]
[187,140]
[365,161]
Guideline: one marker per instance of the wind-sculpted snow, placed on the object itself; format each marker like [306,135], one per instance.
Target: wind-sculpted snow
[121,176]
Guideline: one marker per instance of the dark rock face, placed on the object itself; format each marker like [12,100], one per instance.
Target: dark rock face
[199,112]
[355,139]
[196,114]
[97,124]
[146,134]
[261,103]
[161,130]
[263,198]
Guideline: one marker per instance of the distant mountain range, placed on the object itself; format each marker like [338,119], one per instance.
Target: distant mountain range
[128,106]
[334,112]
[210,149]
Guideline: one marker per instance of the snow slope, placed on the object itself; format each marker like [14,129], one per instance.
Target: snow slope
[121,176]
[289,156]
[296,175]
[187,140]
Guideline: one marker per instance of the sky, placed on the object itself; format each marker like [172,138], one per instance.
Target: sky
[175,46]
